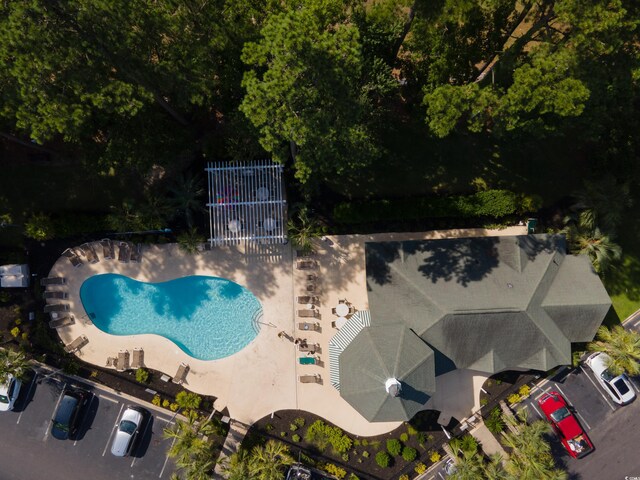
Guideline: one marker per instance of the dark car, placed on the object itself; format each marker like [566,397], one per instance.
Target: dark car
[70,413]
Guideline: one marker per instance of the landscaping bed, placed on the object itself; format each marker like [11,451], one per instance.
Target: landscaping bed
[409,449]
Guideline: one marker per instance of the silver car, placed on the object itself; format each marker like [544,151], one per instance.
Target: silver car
[128,430]
[619,388]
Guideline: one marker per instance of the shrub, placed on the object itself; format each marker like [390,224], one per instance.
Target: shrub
[365,454]
[484,401]
[420,468]
[335,470]
[321,435]
[434,456]
[365,442]
[15,331]
[489,203]
[494,422]
[157,401]
[403,477]
[299,421]
[411,430]
[353,476]
[268,427]
[293,427]
[283,434]
[394,447]
[513,398]
[188,399]
[39,227]
[409,454]
[142,375]
[295,437]
[524,390]
[174,407]
[25,336]
[383,459]
[345,457]
[404,437]
[166,403]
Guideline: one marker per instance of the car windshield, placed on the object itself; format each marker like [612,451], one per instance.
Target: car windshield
[127,426]
[560,414]
[606,376]
[621,386]
[61,426]
[4,399]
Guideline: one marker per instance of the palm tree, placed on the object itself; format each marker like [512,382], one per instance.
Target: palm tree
[268,462]
[13,363]
[189,445]
[600,248]
[302,229]
[622,346]
[469,463]
[236,467]
[602,203]
[189,241]
[186,193]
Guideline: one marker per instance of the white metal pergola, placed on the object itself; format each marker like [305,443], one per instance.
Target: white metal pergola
[246,203]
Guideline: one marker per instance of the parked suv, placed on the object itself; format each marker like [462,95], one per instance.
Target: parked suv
[128,429]
[70,413]
[9,393]
[618,387]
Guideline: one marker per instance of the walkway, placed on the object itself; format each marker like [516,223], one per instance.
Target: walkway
[237,432]
[486,439]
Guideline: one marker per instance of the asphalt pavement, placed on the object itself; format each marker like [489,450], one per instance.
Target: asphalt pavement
[30,452]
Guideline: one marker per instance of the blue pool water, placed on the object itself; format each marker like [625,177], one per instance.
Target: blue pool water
[207,317]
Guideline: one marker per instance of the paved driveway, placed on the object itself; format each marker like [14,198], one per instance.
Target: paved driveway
[34,454]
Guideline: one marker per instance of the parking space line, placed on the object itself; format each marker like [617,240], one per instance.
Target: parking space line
[583,420]
[543,392]
[144,434]
[33,382]
[109,398]
[112,430]
[597,388]
[571,403]
[536,410]
[164,465]
[46,433]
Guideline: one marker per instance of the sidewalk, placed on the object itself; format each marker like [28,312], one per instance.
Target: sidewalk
[488,442]
[237,431]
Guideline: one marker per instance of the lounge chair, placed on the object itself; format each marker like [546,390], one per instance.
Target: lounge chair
[307,265]
[122,363]
[77,344]
[312,277]
[57,307]
[138,358]
[62,322]
[123,252]
[90,252]
[308,313]
[111,362]
[311,288]
[108,250]
[181,374]
[308,360]
[310,378]
[306,299]
[313,347]
[73,257]
[55,295]
[136,252]
[45,282]
[315,326]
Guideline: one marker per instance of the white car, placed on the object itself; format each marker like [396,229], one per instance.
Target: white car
[619,388]
[9,393]
[128,430]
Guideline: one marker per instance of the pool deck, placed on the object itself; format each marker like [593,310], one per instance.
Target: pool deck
[263,377]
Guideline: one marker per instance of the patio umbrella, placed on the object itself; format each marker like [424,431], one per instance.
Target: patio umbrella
[387,373]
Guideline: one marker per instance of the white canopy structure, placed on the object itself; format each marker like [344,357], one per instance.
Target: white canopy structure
[14,276]
[246,203]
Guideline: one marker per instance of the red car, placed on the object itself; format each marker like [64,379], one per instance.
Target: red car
[571,434]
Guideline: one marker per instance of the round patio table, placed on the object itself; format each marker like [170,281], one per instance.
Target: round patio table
[234,226]
[269,224]
[340,322]
[262,193]
[342,309]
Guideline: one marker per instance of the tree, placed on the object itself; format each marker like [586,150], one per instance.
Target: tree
[622,346]
[13,363]
[303,93]
[268,462]
[303,229]
[236,466]
[469,463]
[600,248]
[190,449]
[190,241]
[186,196]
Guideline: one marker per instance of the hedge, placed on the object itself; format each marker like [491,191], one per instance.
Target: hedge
[489,203]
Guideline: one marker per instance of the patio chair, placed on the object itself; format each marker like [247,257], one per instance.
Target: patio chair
[308,360]
[123,252]
[56,307]
[90,252]
[138,358]
[352,310]
[308,313]
[49,295]
[307,265]
[108,250]
[308,326]
[77,344]
[45,282]
[122,363]
[111,362]
[136,253]
[310,378]
[311,288]
[73,257]
[313,347]
[306,299]
[62,321]
[333,310]
[181,374]
[312,277]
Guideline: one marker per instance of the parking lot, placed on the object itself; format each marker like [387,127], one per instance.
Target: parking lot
[35,454]
[613,429]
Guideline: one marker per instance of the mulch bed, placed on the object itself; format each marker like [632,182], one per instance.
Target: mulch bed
[356,462]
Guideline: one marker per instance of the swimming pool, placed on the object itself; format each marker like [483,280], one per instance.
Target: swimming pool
[207,317]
